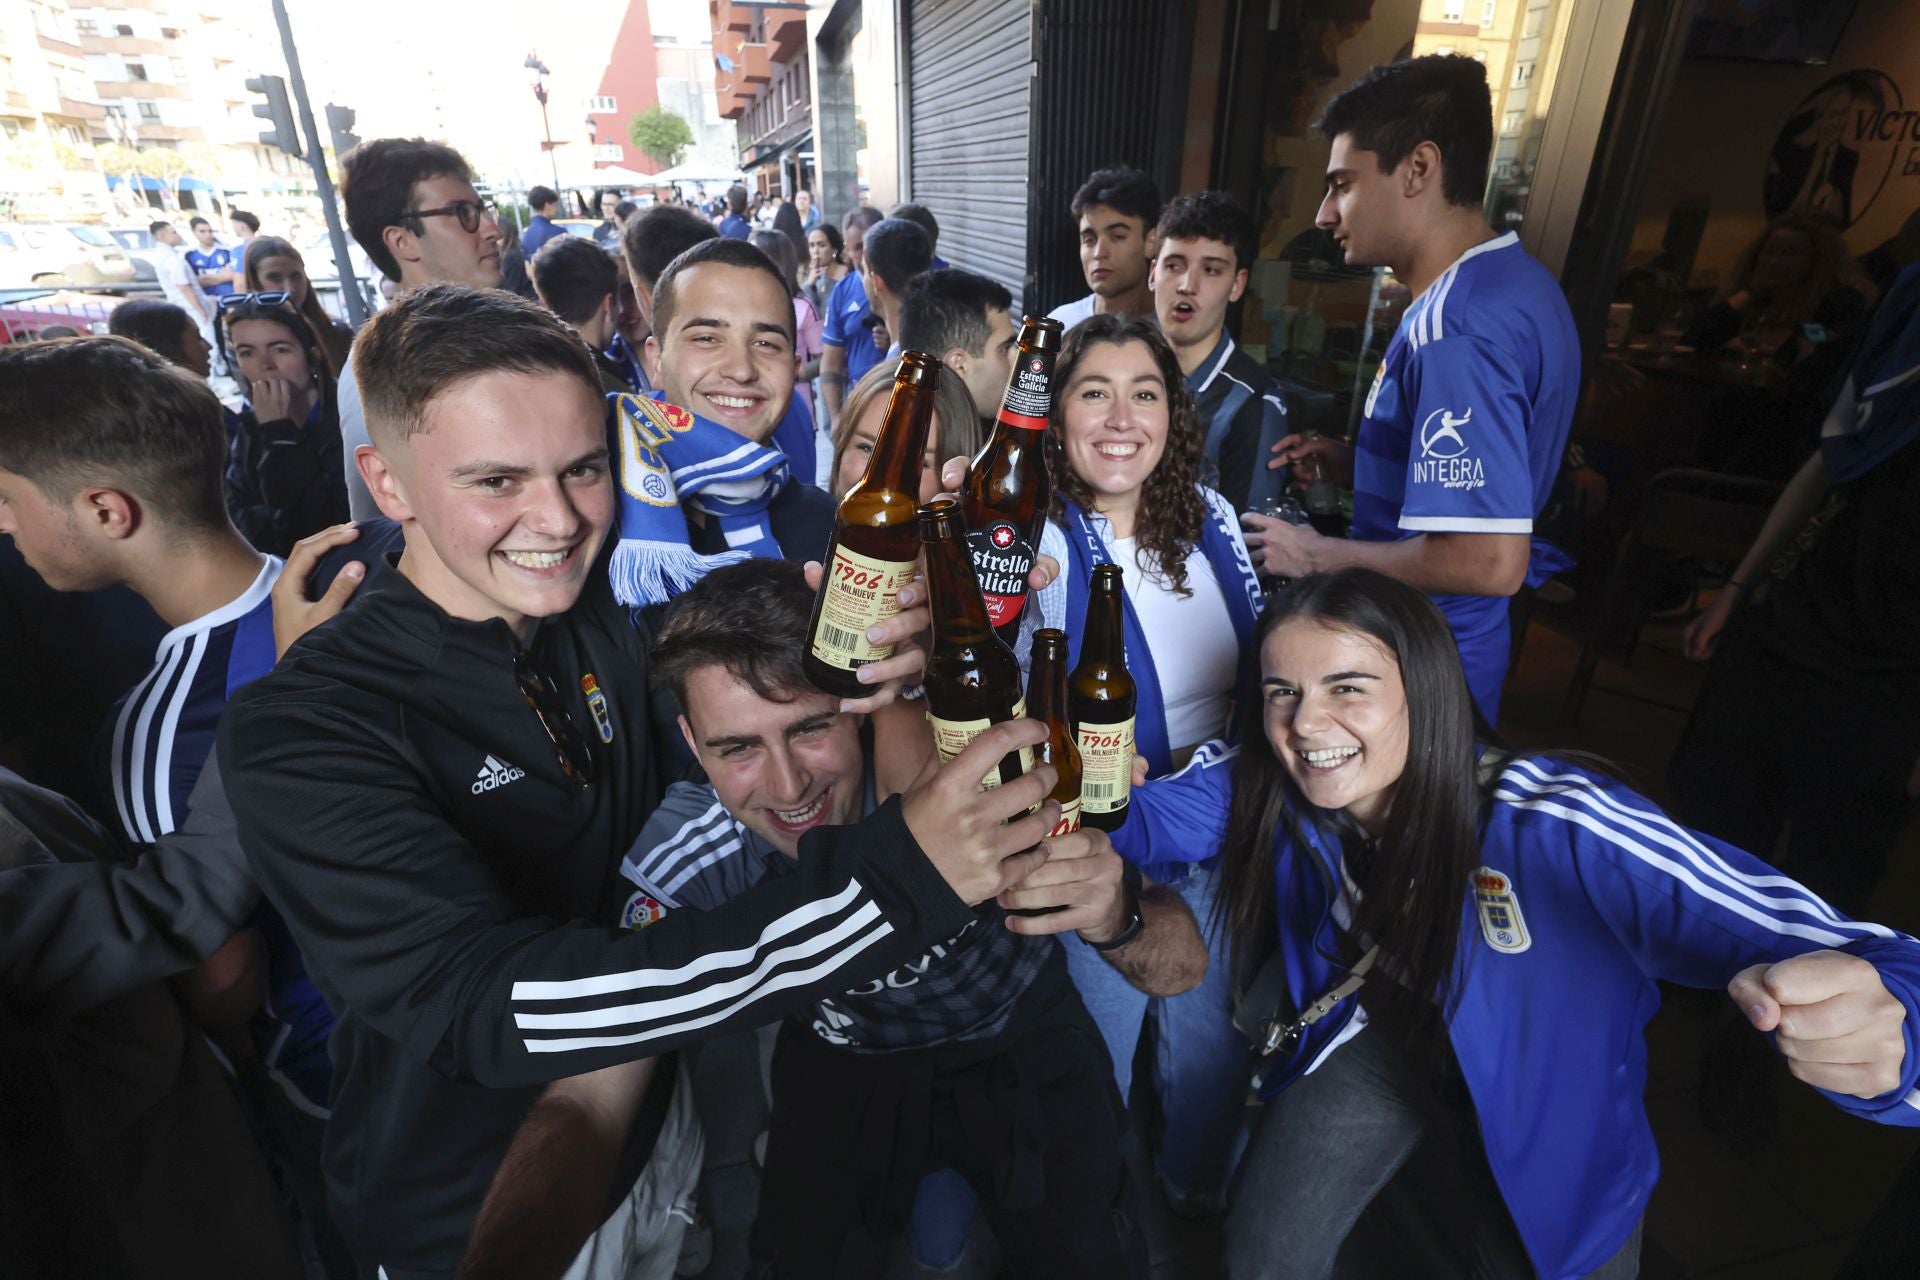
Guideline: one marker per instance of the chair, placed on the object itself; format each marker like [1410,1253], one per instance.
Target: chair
[1685,514]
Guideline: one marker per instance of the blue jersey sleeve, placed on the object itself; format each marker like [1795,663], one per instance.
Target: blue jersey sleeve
[1180,819]
[1693,910]
[834,329]
[1467,466]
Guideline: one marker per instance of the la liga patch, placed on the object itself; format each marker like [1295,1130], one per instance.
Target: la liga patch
[642,909]
[1501,923]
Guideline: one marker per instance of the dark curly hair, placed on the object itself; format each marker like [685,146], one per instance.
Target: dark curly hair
[1171,510]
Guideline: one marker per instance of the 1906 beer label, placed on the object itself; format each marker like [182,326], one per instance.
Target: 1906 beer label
[1106,763]
[859,591]
[950,738]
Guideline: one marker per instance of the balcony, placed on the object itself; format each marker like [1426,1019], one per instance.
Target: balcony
[786,32]
[65,47]
[79,110]
[729,17]
[755,64]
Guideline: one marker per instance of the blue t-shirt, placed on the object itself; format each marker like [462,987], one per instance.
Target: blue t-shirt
[1466,424]
[156,743]
[735,227]
[215,259]
[845,326]
[540,229]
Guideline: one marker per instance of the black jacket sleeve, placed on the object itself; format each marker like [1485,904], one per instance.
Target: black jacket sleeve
[399,917]
[91,926]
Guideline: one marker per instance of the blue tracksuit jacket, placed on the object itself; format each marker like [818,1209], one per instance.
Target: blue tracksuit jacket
[1587,895]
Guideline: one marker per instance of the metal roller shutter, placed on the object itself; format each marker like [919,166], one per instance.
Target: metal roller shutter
[970,99]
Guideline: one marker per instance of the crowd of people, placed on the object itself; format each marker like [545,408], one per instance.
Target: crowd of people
[405,773]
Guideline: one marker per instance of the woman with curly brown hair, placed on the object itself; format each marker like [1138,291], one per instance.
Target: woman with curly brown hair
[1128,492]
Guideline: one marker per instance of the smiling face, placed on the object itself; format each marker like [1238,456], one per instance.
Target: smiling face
[264,350]
[781,768]
[504,494]
[279,273]
[1114,420]
[444,250]
[1113,251]
[1194,281]
[859,452]
[1364,208]
[1336,716]
[728,352]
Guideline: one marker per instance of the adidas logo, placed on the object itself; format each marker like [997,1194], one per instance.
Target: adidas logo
[495,774]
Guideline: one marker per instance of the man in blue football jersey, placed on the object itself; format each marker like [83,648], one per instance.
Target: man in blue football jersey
[1468,417]
[850,349]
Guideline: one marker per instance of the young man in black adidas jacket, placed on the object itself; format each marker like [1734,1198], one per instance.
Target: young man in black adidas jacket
[436,787]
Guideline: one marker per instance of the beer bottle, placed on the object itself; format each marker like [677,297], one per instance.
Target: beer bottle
[1100,699]
[972,679]
[1008,490]
[1047,701]
[874,546]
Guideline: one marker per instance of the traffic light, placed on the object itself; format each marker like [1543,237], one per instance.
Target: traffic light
[278,110]
[340,125]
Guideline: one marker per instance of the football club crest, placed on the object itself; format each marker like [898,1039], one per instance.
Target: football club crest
[645,425]
[597,704]
[642,909]
[1501,923]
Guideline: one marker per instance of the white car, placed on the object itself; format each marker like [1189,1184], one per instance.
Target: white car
[38,253]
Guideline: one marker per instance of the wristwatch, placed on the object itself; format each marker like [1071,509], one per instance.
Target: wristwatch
[1133,922]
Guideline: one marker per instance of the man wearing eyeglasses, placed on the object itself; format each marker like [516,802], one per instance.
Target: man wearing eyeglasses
[412,206]
[436,788]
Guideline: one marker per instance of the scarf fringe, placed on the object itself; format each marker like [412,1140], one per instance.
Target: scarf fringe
[646,572]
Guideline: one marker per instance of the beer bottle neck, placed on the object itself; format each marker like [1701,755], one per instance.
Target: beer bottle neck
[1106,627]
[1047,689]
[953,593]
[898,453]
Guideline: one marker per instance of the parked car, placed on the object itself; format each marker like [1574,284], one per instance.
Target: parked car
[36,253]
[139,246]
[26,313]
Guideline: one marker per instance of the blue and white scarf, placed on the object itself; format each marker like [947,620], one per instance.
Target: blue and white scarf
[1238,583]
[668,455]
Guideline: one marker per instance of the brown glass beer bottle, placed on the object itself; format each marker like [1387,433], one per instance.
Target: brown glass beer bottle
[1100,699]
[972,679]
[1047,702]
[875,543]
[1008,487]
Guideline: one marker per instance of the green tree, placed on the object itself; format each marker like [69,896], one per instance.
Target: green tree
[661,135]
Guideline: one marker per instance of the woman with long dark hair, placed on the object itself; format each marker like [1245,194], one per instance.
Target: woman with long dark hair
[285,468]
[1451,953]
[1128,448]
[274,265]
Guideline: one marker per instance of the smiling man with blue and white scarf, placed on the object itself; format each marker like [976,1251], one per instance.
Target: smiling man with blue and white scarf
[700,482]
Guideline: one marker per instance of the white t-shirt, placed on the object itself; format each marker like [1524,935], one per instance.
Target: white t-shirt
[177,280]
[1196,653]
[1070,314]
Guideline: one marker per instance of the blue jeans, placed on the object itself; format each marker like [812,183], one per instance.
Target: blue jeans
[1201,1066]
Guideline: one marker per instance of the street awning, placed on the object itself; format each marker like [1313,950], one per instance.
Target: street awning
[146,182]
[191,183]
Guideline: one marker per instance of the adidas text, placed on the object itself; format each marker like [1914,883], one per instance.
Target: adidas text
[496,774]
